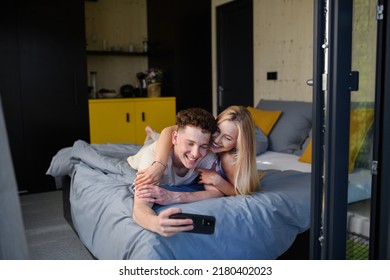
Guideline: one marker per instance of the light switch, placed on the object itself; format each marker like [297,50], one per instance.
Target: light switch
[272,75]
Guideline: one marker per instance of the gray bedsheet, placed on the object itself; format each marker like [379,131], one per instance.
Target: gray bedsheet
[259,226]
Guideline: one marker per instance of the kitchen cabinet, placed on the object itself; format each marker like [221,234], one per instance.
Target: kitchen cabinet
[123,120]
[43,84]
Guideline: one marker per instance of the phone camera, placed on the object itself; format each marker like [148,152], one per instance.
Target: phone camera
[208,222]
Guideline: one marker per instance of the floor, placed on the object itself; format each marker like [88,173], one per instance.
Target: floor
[48,235]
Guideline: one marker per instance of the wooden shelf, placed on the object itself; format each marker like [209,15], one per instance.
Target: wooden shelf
[120,53]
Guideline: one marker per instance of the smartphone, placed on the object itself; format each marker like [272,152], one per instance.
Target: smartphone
[202,223]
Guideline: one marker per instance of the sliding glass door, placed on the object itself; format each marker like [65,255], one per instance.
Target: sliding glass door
[362,113]
[336,127]
[380,206]
[347,106]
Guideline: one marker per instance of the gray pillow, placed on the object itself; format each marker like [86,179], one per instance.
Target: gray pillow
[293,126]
[261,141]
[304,145]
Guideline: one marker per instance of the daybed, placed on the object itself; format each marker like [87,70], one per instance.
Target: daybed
[260,226]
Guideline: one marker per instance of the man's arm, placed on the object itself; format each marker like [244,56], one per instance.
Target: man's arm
[144,216]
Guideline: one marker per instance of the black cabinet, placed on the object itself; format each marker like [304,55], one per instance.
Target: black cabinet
[43,84]
[179,34]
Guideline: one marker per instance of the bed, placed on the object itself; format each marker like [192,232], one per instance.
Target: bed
[270,224]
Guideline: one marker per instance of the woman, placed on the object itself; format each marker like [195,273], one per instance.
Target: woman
[234,173]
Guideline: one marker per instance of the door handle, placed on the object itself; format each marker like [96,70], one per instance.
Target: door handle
[220,95]
[143,116]
[127,117]
[310,82]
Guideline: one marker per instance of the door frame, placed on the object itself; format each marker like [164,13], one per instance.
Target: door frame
[328,240]
[317,131]
[329,197]
[337,130]
[220,10]
[380,207]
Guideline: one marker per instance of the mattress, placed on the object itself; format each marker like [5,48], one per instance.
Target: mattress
[281,161]
[359,182]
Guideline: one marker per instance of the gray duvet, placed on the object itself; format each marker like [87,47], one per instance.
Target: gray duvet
[259,226]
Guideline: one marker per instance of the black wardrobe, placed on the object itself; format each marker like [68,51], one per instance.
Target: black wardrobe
[43,84]
[179,34]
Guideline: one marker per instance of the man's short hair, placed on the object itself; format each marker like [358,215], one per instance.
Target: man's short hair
[197,117]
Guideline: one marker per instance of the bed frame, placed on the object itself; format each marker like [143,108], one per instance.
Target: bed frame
[299,250]
[65,182]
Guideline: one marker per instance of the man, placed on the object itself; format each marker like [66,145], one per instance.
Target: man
[190,151]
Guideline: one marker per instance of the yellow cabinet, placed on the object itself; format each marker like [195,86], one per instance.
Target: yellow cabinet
[124,120]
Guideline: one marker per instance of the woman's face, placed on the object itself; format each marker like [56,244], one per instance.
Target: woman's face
[226,138]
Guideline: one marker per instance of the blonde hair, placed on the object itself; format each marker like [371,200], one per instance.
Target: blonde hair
[246,178]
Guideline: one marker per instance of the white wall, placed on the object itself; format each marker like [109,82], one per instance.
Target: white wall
[283,42]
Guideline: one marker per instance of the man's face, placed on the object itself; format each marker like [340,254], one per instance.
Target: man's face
[190,145]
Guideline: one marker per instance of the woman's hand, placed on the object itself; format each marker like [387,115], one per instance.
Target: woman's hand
[150,175]
[155,194]
[209,176]
[168,227]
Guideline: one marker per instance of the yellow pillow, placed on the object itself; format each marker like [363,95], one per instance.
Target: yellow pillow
[306,156]
[360,122]
[265,120]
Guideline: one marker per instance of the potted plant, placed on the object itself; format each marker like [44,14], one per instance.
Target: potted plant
[154,77]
